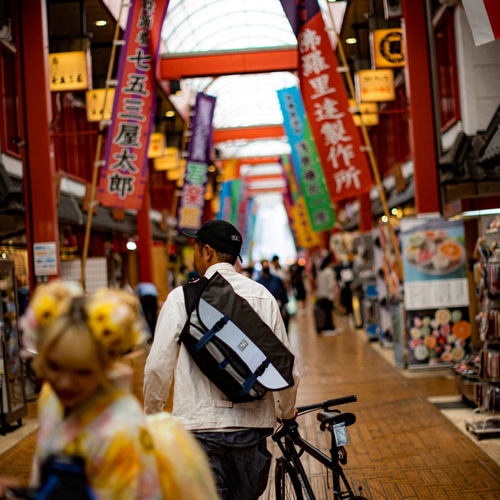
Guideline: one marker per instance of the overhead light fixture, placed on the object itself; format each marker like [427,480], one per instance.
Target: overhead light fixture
[478,213]
[351,40]
[101,22]
[131,245]
[170,114]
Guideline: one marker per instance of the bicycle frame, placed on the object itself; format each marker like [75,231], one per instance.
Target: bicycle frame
[289,452]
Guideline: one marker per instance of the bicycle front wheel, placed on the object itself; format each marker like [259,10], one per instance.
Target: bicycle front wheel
[287,484]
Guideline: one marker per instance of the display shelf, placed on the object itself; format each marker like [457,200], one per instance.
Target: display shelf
[469,387]
[483,425]
[485,419]
[13,404]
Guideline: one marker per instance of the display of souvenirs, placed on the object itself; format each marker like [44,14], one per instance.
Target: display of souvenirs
[485,421]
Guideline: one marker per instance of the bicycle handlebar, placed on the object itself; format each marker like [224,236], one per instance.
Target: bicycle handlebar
[325,405]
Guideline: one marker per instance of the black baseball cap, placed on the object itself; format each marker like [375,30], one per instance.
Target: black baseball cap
[220,235]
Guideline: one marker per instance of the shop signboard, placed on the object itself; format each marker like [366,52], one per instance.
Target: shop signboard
[387,48]
[99,104]
[436,293]
[375,85]
[157,145]
[69,71]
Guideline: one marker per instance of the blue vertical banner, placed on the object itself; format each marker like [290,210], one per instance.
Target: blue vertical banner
[249,227]
[225,206]
[192,199]
[305,160]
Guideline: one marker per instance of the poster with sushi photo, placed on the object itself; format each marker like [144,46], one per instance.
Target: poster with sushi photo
[436,294]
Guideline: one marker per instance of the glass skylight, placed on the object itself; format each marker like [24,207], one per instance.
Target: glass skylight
[197,26]
[207,25]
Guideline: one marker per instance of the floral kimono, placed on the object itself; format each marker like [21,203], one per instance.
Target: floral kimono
[110,433]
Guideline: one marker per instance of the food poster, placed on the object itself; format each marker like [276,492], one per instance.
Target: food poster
[436,294]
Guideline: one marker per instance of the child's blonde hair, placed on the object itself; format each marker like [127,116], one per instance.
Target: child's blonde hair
[107,322]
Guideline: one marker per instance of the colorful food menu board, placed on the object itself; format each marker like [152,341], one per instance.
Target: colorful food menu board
[436,294]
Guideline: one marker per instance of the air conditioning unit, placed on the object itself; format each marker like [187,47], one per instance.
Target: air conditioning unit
[393,8]
[6,32]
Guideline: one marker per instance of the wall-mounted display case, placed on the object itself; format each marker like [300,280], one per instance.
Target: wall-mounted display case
[12,399]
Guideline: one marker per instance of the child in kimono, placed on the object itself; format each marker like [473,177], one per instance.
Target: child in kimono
[88,417]
[86,409]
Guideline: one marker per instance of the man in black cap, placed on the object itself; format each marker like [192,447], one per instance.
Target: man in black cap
[233,435]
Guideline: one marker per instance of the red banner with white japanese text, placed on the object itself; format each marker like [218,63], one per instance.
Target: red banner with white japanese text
[344,163]
[123,176]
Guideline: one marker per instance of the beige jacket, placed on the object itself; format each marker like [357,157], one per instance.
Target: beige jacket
[197,402]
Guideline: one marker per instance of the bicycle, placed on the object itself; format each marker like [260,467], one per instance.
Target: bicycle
[290,477]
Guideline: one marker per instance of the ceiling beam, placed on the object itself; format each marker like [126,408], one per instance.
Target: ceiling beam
[248,133]
[202,64]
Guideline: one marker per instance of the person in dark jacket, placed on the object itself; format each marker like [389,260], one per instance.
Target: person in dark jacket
[277,288]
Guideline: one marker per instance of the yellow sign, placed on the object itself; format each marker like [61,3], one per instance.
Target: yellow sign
[375,85]
[68,71]
[169,161]
[157,145]
[369,113]
[388,48]
[95,104]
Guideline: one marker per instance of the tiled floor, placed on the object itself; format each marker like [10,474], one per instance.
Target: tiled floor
[404,444]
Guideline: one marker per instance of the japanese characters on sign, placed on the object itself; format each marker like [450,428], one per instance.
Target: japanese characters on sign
[367,113]
[387,48]
[123,177]
[375,85]
[345,165]
[99,105]
[169,161]
[157,145]
[198,158]
[68,71]
[305,160]
[296,210]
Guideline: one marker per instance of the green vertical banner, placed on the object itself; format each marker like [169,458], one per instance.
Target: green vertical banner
[235,198]
[305,160]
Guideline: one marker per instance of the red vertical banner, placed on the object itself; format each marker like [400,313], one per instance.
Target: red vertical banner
[123,177]
[344,163]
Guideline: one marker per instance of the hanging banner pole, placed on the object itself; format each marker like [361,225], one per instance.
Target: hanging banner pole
[368,148]
[95,171]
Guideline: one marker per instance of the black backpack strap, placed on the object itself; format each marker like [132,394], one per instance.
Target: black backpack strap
[192,293]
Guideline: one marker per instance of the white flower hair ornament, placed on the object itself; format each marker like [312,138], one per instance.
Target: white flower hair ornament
[113,315]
